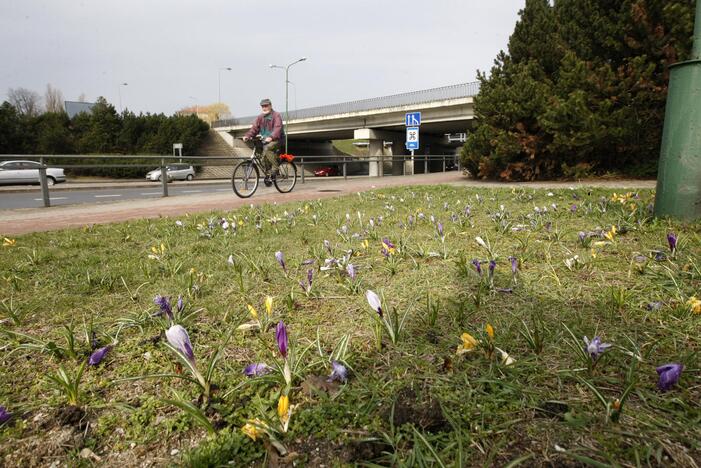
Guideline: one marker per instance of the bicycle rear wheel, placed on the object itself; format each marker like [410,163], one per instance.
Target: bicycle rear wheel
[287,177]
[244,180]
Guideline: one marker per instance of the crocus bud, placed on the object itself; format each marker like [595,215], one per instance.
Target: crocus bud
[374,301]
[281,337]
[179,339]
[97,356]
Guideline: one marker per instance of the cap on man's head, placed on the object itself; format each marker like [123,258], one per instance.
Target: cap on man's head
[266,102]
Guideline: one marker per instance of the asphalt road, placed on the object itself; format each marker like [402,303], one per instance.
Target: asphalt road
[33,199]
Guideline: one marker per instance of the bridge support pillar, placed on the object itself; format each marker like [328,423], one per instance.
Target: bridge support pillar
[380,144]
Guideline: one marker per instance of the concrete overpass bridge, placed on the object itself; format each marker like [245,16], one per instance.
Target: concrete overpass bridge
[377,122]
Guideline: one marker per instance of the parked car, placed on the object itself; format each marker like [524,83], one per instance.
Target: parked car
[27,172]
[451,166]
[326,171]
[174,171]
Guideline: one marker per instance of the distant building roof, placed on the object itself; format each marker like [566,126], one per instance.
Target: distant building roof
[74,108]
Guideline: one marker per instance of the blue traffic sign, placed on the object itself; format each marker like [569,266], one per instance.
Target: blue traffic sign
[412,138]
[412,119]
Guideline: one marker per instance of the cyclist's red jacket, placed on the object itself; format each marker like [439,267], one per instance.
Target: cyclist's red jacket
[267,127]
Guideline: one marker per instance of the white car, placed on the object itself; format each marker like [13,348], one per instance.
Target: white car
[174,171]
[27,172]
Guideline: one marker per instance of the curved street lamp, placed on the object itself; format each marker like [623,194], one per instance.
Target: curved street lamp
[119,93]
[220,70]
[287,82]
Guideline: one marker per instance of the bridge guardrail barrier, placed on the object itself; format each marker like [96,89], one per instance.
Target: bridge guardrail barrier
[357,166]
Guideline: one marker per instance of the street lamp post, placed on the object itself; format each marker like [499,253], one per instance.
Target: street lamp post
[287,82]
[119,93]
[220,70]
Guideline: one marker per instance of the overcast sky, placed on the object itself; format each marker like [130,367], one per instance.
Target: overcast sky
[170,52]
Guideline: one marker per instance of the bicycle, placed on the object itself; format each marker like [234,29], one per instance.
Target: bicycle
[246,176]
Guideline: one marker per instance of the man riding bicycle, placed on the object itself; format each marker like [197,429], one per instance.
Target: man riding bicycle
[269,126]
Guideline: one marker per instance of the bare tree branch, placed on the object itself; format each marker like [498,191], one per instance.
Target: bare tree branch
[53,99]
[26,101]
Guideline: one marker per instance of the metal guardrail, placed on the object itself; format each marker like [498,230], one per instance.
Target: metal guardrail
[423,162]
[396,100]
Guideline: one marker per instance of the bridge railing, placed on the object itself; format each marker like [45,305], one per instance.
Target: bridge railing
[396,100]
[343,166]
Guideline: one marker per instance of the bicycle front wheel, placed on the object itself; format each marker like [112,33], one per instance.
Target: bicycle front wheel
[244,181]
[286,178]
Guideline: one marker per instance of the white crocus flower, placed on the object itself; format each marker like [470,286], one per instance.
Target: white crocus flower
[374,301]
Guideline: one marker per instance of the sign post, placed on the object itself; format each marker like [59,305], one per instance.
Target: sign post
[412,120]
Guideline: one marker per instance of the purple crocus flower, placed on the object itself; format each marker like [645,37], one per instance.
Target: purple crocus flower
[669,375]
[309,261]
[595,347]
[164,303]
[350,269]
[310,276]
[468,210]
[327,245]
[573,208]
[582,235]
[97,356]
[180,304]
[5,415]
[492,266]
[179,339]
[281,337]
[281,260]
[339,372]
[440,229]
[476,263]
[514,264]
[410,220]
[672,240]
[256,369]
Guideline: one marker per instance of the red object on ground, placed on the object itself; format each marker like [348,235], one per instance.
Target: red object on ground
[326,171]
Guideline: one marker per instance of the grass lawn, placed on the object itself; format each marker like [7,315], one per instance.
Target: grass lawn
[447,366]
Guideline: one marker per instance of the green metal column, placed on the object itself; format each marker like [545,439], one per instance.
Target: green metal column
[679,175]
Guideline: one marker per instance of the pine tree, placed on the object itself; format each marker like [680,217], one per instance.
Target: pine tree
[596,71]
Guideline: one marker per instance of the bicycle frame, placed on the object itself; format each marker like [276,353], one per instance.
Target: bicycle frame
[257,155]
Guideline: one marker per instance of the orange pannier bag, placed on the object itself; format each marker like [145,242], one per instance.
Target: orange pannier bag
[286,157]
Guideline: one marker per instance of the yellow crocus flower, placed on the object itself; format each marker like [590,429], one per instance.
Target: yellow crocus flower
[7,242]
[268,304]
[609,235]
[694,304]
[253,311]
[490,331]
[469,343]
[283,408]
[252,428]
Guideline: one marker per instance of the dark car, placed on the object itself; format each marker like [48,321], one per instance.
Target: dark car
[326,171]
